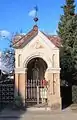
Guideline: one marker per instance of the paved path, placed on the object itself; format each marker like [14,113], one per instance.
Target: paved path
[38,115]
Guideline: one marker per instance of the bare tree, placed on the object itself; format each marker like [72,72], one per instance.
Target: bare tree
[7,61]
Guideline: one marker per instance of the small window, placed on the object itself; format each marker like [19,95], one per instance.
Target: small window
[53,59]
[54,83]
[19,60]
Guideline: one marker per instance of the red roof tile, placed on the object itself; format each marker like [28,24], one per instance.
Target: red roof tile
[55,40]
[21,40]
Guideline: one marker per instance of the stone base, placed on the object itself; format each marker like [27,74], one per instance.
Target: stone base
[31,109]
[56,106]
[54,103]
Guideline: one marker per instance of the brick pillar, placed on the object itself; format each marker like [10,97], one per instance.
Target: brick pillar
[54,99]
[20,84]
[16,85]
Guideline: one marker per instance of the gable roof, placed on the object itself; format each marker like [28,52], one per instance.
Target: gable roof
[20,40]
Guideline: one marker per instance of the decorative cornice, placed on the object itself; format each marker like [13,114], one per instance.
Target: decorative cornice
[20,70]
[53,70]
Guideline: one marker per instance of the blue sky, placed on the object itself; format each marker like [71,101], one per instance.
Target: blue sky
[14,16]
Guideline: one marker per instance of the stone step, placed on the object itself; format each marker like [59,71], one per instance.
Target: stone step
[39,109]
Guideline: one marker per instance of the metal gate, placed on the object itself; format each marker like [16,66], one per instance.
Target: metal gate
[35,91]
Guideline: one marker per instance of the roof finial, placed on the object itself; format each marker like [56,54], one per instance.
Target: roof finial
[35,17]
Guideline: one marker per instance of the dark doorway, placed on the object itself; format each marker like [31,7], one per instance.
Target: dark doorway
[66,95]
[36,72]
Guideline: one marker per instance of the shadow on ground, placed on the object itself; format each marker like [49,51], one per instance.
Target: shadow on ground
[10,106]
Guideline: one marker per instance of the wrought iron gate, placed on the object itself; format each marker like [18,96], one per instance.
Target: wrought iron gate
[33,91]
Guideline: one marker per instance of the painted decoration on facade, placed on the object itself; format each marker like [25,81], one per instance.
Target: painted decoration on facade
[37,45]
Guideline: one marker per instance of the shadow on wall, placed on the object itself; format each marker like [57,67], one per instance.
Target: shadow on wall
[7,100]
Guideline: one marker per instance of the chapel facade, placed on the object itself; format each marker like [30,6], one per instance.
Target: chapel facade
[37,58]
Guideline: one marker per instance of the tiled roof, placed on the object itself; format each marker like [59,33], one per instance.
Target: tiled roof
[55,40]
[20,40]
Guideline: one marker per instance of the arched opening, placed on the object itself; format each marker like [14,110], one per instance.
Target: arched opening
[35,74]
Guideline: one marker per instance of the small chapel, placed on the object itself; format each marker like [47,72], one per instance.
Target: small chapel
[37,68]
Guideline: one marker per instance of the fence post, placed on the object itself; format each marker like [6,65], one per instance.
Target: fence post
[37,95]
